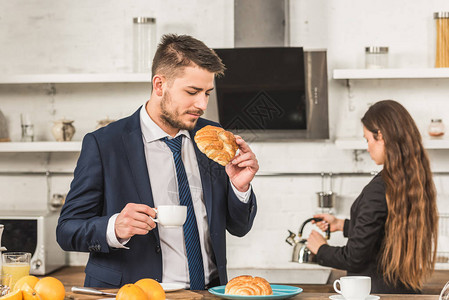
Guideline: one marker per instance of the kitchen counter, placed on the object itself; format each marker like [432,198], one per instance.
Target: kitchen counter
[74,276]
[206,295]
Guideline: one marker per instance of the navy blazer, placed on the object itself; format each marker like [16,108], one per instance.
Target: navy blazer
[111,172]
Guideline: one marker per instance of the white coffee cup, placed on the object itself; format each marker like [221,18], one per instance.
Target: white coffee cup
[353,287]
[171,215]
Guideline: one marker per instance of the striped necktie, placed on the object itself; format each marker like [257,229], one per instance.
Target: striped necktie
[191,236]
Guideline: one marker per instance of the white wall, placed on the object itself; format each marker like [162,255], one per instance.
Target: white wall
[85,36]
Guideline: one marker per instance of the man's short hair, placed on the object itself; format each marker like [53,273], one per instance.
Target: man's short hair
[175,52]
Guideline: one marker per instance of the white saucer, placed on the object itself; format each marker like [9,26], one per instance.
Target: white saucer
[340,297]
[171,287]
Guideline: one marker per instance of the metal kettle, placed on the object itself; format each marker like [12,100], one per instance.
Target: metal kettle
[302,254]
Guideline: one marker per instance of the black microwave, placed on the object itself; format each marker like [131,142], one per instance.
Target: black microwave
[273,93]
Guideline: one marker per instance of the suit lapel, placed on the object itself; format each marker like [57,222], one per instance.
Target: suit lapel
[133,144]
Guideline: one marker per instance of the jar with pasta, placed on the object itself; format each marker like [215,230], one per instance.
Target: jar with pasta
[442,39]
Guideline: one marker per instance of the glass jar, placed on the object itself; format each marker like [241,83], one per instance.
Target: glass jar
[442,39]
[436,128]
[144,43]
[376,57]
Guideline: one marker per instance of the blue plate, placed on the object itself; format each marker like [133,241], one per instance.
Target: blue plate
[279,292]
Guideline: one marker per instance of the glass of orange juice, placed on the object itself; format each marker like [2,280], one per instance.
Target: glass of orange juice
[5,284]
[16,264]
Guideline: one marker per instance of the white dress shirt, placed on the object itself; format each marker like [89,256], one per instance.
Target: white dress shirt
[163,181]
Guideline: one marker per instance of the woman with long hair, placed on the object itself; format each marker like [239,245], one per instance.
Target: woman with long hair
[392,230]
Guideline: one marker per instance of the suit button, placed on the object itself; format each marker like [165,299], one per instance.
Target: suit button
[158,249]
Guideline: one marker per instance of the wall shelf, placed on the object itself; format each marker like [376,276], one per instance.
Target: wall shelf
[391,73]
[75,78]
[360,144]
[40,147]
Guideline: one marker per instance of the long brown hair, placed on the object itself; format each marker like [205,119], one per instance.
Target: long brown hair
[411,229]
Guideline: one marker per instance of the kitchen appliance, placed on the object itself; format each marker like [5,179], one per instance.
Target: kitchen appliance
[302,254]
[273,93]
[34,232]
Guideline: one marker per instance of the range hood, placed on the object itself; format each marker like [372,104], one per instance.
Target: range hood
[261,23]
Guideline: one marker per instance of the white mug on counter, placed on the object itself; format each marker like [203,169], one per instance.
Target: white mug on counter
[171,215]
[353,287]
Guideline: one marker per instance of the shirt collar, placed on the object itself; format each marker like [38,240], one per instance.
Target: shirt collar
[151,131]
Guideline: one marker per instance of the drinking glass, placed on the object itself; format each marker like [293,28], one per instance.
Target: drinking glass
[17,264]
[5,284]
[27,128]
[445,292]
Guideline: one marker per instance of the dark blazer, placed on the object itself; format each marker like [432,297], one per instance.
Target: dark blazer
[365,231]
[111,172]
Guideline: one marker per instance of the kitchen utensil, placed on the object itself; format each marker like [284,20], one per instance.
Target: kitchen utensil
[171,215]
[90,291]
[353,287]
[279,292]
[301,253]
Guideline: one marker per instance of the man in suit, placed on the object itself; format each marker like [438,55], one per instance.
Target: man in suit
[129,167]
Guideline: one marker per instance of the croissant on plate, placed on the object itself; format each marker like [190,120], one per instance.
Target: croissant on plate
[246,285]
[217,143]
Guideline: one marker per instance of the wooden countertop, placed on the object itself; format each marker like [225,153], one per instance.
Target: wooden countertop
[74,276]
[208,296]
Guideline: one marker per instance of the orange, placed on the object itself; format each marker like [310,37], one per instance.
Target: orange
[131,292]
[50,288]
[30,280]
[29,293]
[152,288]
[17,295]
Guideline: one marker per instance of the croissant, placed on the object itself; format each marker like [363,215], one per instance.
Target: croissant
[246,285]
[217,143]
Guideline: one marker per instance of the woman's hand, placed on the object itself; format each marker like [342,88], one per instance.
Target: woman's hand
[315,241]
[336,224]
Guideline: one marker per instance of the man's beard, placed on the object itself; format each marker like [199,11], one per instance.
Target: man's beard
[172,118]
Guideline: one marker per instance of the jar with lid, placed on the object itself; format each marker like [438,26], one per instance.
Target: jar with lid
[436,128]
[376,57]
[144,43]
[442,39]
